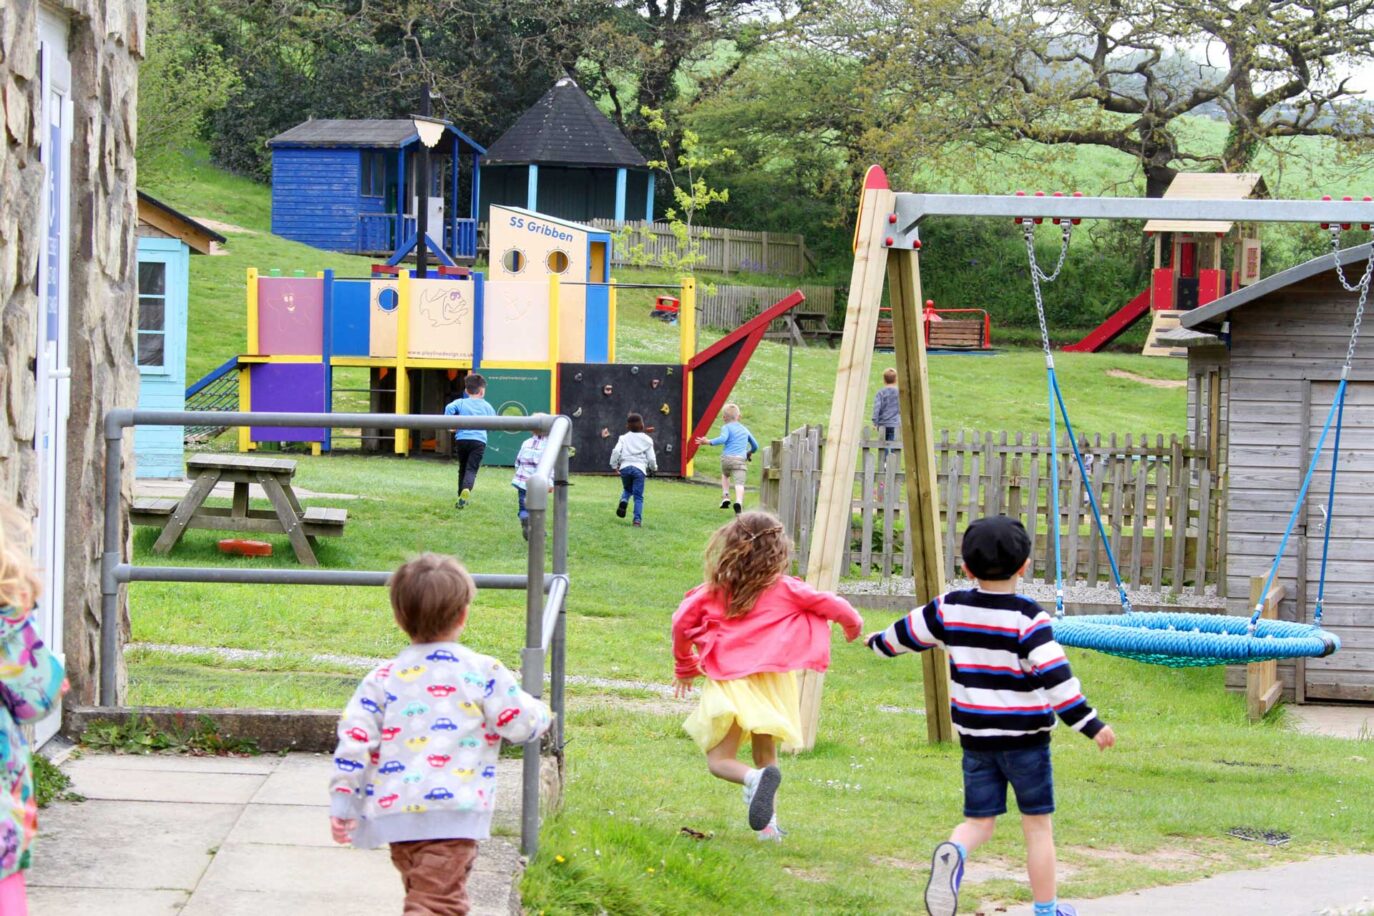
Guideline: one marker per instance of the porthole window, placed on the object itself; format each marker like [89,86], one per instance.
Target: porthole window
[557,261]
[388,299]
[513,261]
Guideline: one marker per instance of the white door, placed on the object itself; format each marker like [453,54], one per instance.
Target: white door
[1347,612]
[53,371]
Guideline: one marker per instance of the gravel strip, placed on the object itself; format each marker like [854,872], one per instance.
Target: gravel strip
[1044,592]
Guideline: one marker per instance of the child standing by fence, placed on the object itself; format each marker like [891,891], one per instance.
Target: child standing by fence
[526,460]
[740,446]
[469,445]
[415,767]
[1009,679]
[633,457]
[30,683]
[887,414]
[749,628]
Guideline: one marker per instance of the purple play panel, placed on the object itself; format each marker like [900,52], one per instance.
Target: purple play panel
[288,387]
[290,316]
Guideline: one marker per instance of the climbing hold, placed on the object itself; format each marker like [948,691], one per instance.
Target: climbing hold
[665,409]
[577,412]
[606,390]
[634,370]
[577,376]
[654,383]
[605,433]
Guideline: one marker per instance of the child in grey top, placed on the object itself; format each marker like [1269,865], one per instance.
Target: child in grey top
[887,414]
[633,456]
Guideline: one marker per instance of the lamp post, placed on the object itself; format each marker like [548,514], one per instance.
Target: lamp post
[431,130]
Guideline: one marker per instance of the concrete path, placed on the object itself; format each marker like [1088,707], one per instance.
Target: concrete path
[1328,885]
[1353,722]
[220,836]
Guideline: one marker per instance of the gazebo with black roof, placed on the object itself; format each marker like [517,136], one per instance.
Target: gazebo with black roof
[564,158]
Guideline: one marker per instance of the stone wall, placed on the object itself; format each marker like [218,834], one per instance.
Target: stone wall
[105,46]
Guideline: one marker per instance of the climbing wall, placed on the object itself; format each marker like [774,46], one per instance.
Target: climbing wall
[598,396]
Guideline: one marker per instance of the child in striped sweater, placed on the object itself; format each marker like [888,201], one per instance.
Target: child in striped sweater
[1008,681]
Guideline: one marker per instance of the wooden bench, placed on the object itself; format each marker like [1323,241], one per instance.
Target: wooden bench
[955,334]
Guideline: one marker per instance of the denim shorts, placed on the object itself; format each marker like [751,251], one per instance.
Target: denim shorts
[987,773]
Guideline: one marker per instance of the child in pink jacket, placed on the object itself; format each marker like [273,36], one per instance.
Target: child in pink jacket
[749,628]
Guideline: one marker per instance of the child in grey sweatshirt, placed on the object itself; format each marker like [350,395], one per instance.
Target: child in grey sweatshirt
[633,457]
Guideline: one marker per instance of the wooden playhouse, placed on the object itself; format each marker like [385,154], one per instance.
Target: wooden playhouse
[1263,365]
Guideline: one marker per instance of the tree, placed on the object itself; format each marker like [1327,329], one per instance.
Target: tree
[649,54]
[690,192]
[1122,74]
[183,77]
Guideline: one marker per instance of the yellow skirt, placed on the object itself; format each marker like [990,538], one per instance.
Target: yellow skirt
[761,704]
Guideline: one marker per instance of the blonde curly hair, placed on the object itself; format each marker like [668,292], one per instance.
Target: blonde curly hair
[18,579]
[745,558]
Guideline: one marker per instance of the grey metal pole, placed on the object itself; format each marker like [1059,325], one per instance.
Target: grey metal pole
[124,572]
[532,662]
[558,649]
[110,555]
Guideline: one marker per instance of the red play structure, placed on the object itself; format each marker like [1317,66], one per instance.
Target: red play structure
[1179,281]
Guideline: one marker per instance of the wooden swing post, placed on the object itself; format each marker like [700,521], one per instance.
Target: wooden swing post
[834,507]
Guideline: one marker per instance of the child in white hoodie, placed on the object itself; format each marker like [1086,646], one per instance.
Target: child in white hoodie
[416,763]
[633,457]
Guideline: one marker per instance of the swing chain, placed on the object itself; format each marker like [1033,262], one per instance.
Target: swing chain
[1038,275]
[1362,287]
[1363,283]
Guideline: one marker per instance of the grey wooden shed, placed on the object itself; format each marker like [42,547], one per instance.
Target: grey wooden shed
[1263,365]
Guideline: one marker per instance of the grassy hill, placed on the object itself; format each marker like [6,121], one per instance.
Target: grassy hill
[1004,391]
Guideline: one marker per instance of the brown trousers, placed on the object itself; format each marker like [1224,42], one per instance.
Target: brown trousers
[435,875]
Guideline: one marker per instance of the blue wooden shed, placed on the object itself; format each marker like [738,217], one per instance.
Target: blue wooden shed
[166,240]
[565,158]
[350,186]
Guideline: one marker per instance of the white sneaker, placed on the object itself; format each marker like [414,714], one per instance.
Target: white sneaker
[751,785]
[771,833]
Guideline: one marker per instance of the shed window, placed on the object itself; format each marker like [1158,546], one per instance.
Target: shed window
[152,314]
[374,173]
[513,260]
[557,261]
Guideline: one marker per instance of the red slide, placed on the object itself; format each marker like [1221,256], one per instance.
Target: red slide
[1115,325]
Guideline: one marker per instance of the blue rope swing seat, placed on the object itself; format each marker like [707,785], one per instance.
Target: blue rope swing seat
[1182,640]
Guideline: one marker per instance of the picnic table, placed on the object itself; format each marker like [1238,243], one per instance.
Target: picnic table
[800,326]
[273,475]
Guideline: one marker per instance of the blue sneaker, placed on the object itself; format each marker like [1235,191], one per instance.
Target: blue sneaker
[1065,909]
[946,872]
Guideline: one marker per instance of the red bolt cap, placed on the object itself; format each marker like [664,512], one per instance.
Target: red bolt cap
[1039,193]
[1020,193]
[1058,193]
[1347,198]
[1345,225]
[1038,221]
[1075,221]
[1326,197]
[930,303]
[888,241]
[1077,193]
[916,243]
[892,217]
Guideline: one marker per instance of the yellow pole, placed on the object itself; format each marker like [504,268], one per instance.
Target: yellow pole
[687,348]
[403,282]
[245,405]
[252,348]
[555,304]
[613,305]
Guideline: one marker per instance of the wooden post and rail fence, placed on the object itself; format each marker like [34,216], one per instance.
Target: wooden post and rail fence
[727,251]
[1159,500]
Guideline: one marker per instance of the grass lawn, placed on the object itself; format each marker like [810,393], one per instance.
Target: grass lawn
[863,809]
[866,806]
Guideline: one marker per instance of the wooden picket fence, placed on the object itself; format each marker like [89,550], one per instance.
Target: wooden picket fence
[1160,504]
[728,307]
[728,251]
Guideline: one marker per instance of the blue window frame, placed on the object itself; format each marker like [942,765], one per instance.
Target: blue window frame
[152,315]
[373,183]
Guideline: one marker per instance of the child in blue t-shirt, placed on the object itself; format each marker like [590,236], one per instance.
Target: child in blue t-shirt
[740,446]
[469,444]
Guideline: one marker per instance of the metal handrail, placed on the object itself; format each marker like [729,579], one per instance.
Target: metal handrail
[545,593]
